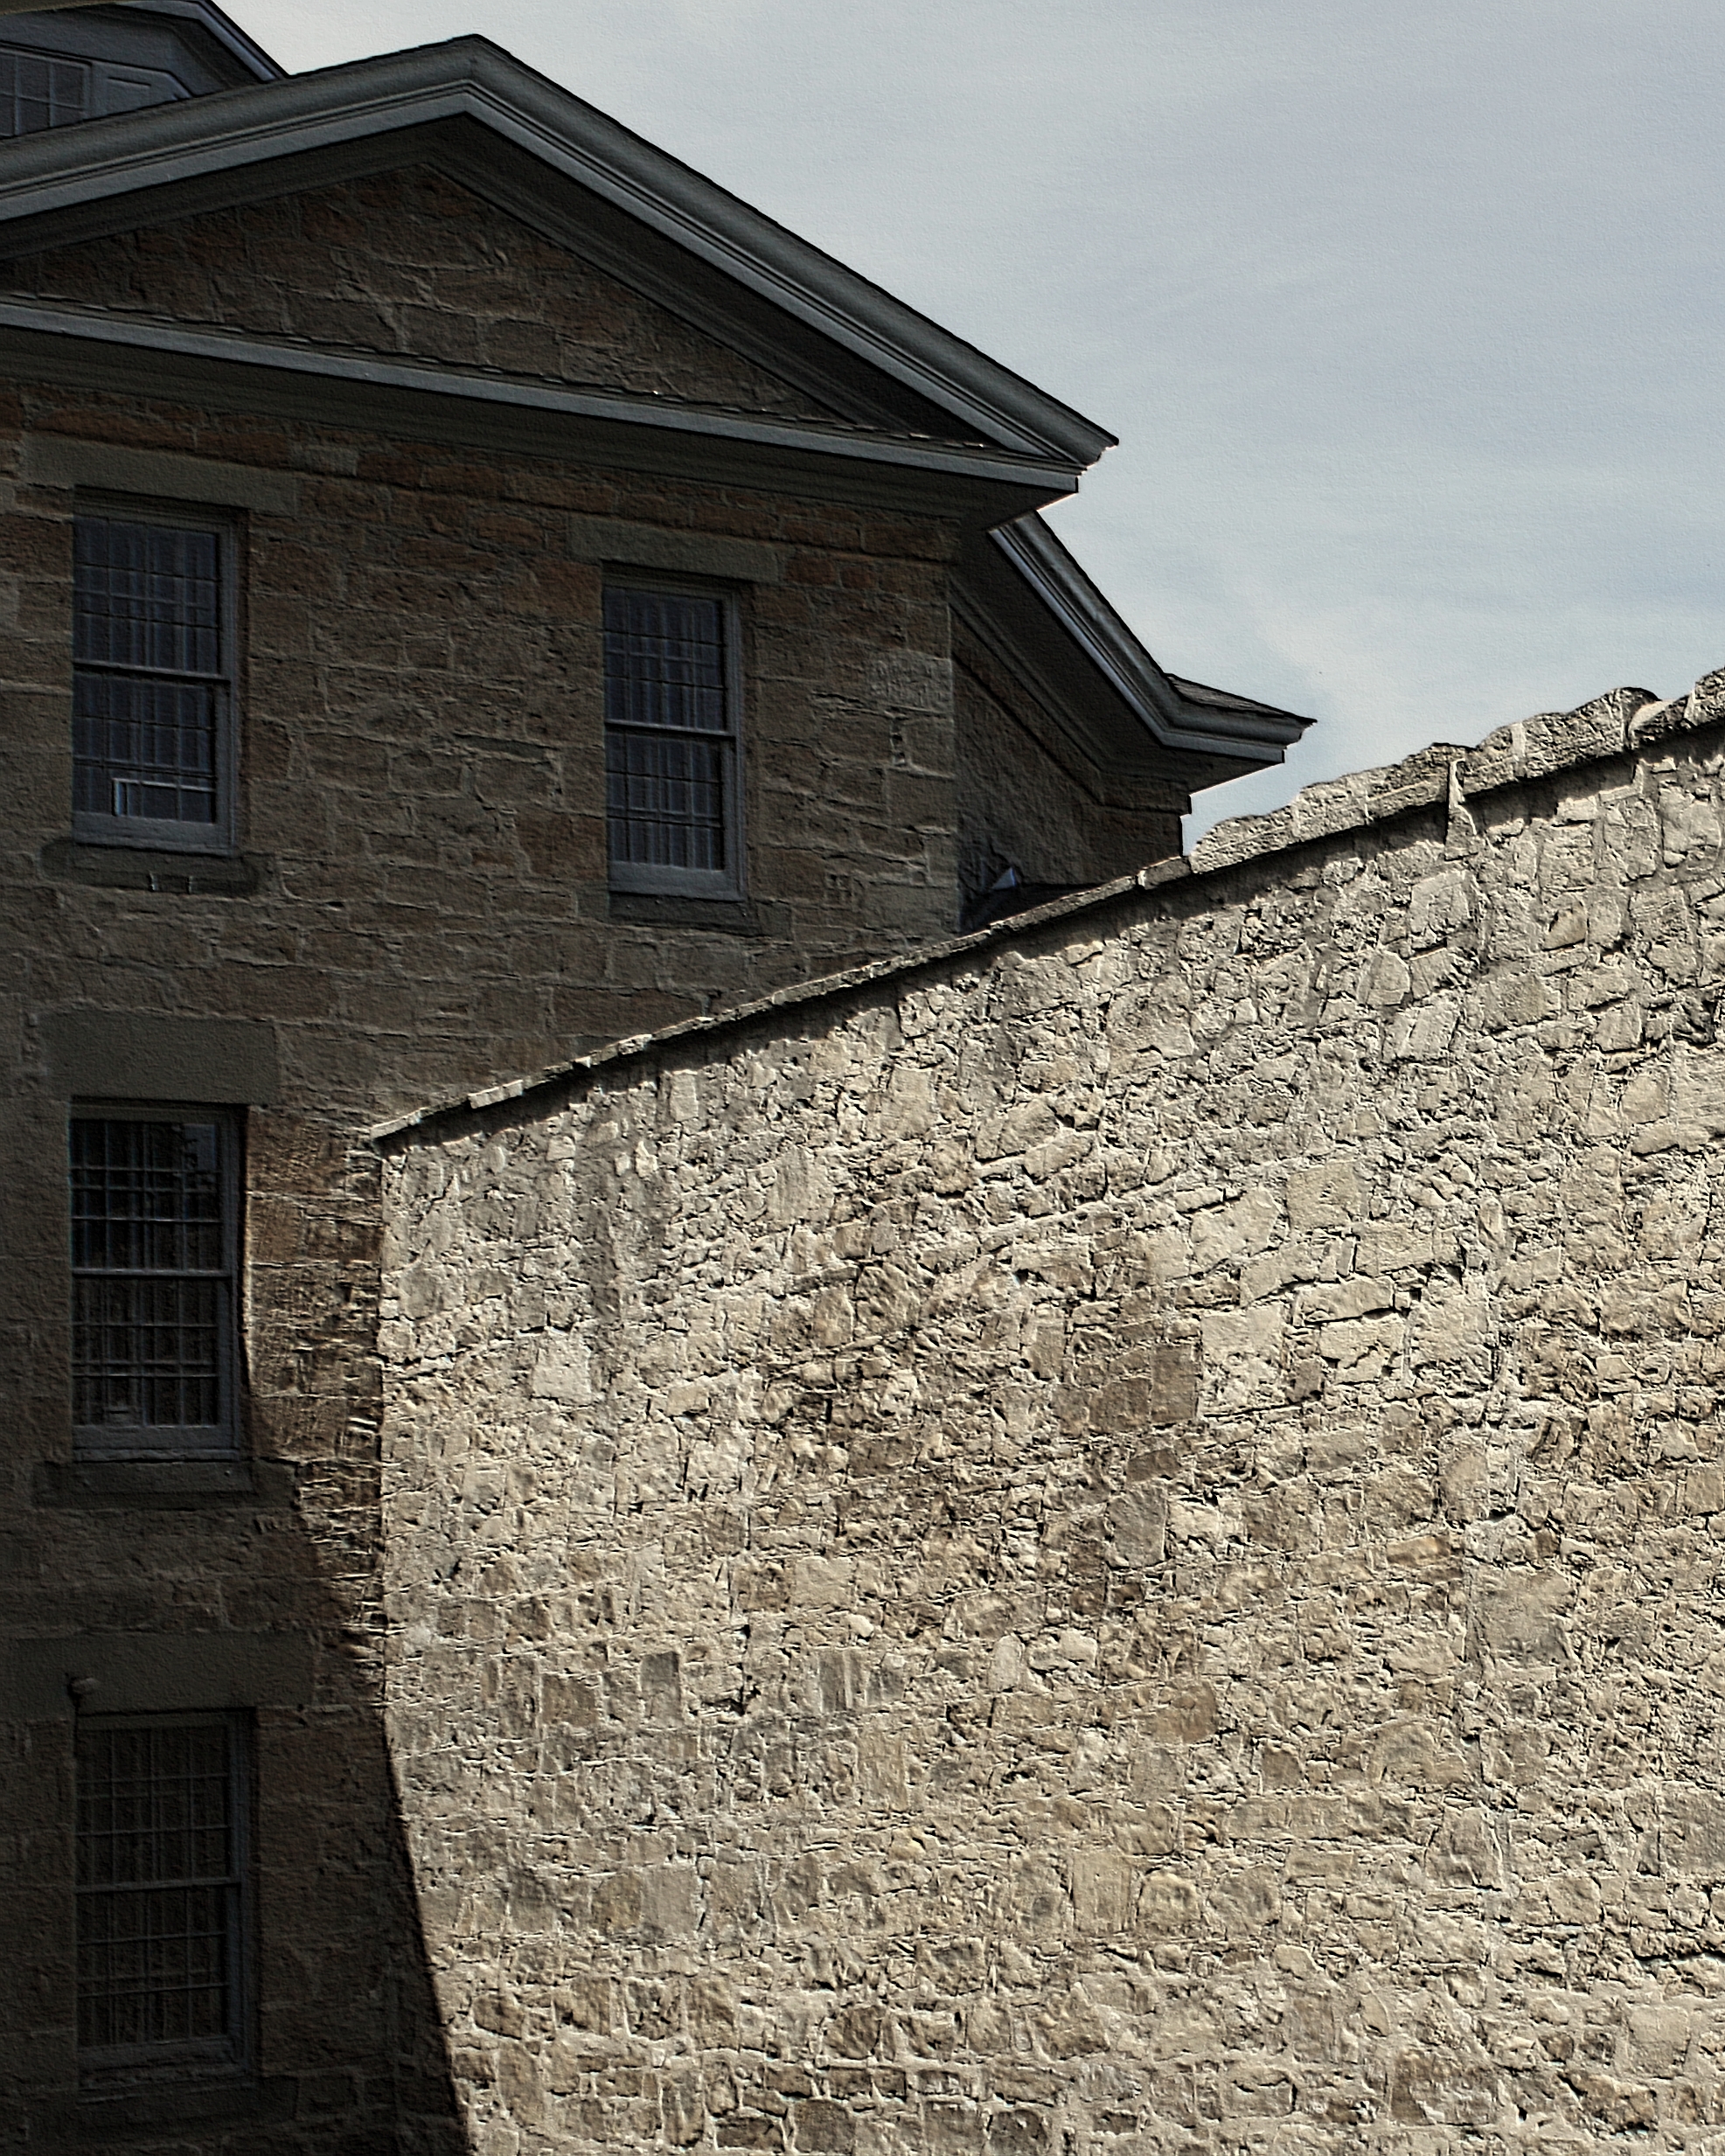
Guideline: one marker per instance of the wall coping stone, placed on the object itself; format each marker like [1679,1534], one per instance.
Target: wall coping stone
[1443,775]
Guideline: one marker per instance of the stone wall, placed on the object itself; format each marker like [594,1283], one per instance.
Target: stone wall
[408,262]
[422,769]
[1110,1543]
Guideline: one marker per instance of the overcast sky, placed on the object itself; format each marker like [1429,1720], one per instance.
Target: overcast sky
[1409,320]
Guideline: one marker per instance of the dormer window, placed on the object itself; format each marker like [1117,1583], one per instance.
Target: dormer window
[36,92]
[66,63]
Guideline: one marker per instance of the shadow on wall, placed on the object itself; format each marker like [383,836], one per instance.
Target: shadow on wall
[243,1602]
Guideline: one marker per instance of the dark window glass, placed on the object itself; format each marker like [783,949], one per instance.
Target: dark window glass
[148,682]
[38,92]
[158,1889]
[670,755]
[152,1283]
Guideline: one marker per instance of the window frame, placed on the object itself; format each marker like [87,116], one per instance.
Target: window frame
[86,75]
[165,834]
[94,1441]
[201,2058]
[652,879]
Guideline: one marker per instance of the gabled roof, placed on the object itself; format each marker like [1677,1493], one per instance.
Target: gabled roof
[1177,715]
[108,175]
[1130,723]
[922,409]
[202,49]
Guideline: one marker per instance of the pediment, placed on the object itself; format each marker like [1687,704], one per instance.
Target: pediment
[414,265]
[784,327]
[443,245]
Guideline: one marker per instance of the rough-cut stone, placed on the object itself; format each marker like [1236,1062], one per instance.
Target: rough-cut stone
[1106,1541]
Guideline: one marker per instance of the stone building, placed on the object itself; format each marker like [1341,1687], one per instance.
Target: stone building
[473,592]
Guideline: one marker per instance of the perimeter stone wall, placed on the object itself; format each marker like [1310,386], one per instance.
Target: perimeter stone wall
[1110,1543]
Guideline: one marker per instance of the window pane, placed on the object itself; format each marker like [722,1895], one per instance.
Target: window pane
[147,1353]
[153,1806]
[669,757]
[145,595]
[157,1880]
[146,608]
[143,748]
[145,1196]
[666,799]
[664,661]
[152,1968]
[37,93]
[152,1297]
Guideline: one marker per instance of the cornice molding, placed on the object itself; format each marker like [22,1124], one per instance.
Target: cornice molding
[106,161]
[1255,734]
[429,378]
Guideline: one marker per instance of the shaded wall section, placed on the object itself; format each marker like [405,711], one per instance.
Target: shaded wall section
[1110,1541]
[1022,802]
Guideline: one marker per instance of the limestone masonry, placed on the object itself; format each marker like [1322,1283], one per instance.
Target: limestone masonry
[651,1500]
[355,427]
[1108,1541]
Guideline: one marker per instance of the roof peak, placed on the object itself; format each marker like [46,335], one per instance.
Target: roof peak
[58,188]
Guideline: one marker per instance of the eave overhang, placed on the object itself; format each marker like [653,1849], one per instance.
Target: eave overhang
[105,175]
[86,347]
[1132,725]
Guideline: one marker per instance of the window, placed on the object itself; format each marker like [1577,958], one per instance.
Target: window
[161,1891]
[153,1240]
[673,798]
[152,689]
[36,92]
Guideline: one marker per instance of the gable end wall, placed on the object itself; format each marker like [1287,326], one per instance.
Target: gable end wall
[412,264]
[1029,799]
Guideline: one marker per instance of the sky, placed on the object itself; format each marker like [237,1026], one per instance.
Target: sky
[1410,321]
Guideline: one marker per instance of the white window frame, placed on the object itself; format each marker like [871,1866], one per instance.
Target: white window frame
[653,879]
[163,834]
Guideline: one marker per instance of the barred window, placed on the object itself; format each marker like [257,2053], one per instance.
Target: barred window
[151,688]
[160,1891]
[36,92]
[671,745]
[152,1285]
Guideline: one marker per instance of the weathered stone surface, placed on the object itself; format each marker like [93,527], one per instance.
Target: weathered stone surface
[409,262]
[1136,1527]
[420,907]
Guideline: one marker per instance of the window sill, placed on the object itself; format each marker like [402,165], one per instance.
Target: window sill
[656,909]
[177,1486]
[146,2109]
[153,868]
